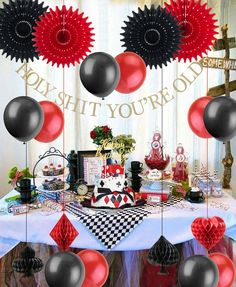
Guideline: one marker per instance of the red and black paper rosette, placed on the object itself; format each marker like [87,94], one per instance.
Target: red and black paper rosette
[197,25]
[17,21]
[63,36]
[163,253]
[153,34]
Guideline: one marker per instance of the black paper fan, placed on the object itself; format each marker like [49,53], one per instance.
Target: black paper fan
[17,20]
[163,253]
[153,34]
[28,263]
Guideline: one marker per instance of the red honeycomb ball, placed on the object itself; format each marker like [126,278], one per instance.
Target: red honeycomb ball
[64,233]
[208,231]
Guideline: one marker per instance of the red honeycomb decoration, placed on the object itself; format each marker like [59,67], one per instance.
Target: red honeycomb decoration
[197,25]
[208,231]
[64,233]
[63,36]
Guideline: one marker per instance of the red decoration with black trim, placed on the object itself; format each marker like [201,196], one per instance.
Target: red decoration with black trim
[197,25]
[63,36]
[64,233]
[208,231]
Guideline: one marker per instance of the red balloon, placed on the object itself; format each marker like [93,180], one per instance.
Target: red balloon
[53,122]
[96,268]
[226,269]
[195,117]
[132,72]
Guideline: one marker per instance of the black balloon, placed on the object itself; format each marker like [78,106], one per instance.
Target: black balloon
[220,118]
[64,269]
[198,271]
[23,118]
[100,74]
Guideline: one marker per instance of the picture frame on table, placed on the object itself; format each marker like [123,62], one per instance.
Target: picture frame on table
[89,165]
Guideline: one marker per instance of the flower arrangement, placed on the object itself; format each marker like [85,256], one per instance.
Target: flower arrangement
[101,133]
[123,145]
[120,144]
[14,175]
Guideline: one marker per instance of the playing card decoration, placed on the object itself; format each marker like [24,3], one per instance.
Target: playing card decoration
[64,233]
[208,231]
[63,36]
[112,170]
[28,263]
[197,25]
[163,253]
[17,20]
[153,34]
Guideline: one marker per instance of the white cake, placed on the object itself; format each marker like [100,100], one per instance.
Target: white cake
[112,191]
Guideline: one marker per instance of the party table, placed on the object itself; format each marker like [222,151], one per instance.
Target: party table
[177,225]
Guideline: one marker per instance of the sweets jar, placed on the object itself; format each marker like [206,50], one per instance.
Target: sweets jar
[180,165]
[157,159]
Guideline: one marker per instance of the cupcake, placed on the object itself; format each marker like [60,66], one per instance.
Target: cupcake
[55,171]
[46,185]
[51,169]
[45,170]
[60,184]
[60,169]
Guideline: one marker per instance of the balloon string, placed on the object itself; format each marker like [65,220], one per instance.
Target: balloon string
[26,164]
[162,155]
[63,17]
[63,133]
[207,179]
[207,159]
[63,107]
[26,214]
[185,16]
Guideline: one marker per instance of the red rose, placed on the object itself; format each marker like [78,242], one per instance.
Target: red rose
[93,135]
[105,129]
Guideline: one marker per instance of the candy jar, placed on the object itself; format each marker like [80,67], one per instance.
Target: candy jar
[156,158]
[180,165]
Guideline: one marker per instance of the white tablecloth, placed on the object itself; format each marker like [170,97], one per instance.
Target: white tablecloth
[177,226]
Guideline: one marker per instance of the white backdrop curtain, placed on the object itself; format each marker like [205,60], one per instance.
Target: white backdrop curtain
[107,17]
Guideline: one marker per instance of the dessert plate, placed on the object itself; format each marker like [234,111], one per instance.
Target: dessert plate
[65,174]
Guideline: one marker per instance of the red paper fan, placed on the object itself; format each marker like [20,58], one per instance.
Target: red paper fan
[63,36]
[198,27]
[208,231]
[64,233]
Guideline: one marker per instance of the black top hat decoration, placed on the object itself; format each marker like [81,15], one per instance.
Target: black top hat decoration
[153,34]
[27,263]
[163,253]
[17,20]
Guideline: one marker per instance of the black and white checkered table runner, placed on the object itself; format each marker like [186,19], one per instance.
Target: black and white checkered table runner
[111,228]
